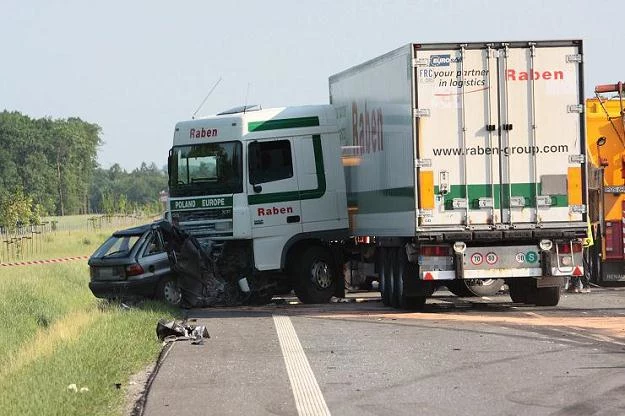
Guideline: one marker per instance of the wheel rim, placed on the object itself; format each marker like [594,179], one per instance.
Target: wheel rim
[321,274]
[171,293]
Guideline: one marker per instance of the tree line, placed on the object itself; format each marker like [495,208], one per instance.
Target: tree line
[49,167]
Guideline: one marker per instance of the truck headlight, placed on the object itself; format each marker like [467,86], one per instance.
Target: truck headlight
[223,226]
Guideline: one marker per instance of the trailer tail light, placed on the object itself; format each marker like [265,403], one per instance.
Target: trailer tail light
[565,248]
[613,240]
[134,270]
[435,251]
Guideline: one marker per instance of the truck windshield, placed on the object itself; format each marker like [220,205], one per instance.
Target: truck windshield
[206,169]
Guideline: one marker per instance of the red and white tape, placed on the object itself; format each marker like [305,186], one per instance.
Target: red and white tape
[49,261]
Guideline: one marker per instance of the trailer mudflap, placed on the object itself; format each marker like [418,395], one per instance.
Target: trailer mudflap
[550,281]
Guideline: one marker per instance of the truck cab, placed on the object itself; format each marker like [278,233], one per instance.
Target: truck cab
[269,179]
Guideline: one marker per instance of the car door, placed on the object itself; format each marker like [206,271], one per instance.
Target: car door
[153,256]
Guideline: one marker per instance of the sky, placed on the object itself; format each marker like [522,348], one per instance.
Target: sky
[136,67]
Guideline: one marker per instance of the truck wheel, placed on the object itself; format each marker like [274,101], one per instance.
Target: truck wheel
[404,274]
[315,276]
[394,277]
[385,276]
[547,296]
[520,290]
[472,287]
[169,292]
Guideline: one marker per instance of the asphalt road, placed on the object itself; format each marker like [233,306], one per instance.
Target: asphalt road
[482,356]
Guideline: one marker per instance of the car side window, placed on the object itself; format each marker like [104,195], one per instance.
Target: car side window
[270,161]
[155,245]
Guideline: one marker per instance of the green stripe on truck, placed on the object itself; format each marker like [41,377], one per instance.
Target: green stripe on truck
[477,191]
[403,199]
[283,123]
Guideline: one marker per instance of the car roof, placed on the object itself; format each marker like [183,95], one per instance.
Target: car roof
[138,230]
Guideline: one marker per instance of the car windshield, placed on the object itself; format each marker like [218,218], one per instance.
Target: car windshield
[206,169]
[117,246]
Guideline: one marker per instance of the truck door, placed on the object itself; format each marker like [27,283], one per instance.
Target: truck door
[273,198]
[541,135]
[456,130]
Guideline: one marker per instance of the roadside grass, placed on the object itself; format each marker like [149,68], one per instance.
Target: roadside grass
[55,333]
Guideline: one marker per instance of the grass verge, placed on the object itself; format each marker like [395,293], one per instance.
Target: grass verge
[55,333]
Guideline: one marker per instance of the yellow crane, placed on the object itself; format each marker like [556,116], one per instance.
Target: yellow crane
[605,127]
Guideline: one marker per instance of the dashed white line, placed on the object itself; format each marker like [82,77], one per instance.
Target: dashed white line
[308,397]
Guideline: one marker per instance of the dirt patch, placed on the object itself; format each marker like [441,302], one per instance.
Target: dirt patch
[135,390]
[611,327]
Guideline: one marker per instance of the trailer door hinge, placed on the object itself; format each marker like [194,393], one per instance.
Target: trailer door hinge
[421,112]
[517,202]
[577,159]
[575,108]
[543,201]
[574,58]
[420,62]
[459,203]
[486,202]
[423,163]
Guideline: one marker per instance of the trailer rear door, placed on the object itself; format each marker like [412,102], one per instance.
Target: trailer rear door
[499,135]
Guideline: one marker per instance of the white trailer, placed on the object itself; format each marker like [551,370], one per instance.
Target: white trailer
[467,166]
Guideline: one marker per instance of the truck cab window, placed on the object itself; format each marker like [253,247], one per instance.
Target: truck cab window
[270,161]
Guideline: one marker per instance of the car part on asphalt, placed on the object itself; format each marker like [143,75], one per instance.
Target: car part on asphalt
[169,331]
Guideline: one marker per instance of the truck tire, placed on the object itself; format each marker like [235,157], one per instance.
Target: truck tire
[405,272]
[471,288]
[547,296]
[385,276]
[315,275]
[521,290]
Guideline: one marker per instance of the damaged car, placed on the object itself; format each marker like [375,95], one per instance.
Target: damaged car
[134,263]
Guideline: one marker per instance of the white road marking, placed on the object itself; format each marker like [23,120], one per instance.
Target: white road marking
[308,397]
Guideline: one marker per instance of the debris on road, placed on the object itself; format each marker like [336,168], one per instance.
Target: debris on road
[170,331]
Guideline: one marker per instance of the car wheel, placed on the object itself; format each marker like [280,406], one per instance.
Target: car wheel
[169,292]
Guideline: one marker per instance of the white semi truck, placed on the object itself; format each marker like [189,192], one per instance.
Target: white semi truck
[460,165]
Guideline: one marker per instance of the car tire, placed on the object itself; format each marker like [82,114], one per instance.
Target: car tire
[169,292]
